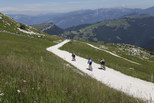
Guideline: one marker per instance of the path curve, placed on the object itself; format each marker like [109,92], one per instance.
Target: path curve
[114,79]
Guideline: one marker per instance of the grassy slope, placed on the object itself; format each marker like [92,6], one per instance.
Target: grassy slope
[110,23]
[9,25]
[142,71]
[42,26]
[123,50]
[42,77]
[122,22]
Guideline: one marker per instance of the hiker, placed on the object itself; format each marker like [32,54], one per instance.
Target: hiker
[102,63]
[90,64]
[73,57]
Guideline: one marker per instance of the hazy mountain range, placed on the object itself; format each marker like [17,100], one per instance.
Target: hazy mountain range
[75,18]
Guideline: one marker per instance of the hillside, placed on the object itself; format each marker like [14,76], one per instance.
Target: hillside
[78,27]
[49,28]
[8,25]
[30,74]
[136,30]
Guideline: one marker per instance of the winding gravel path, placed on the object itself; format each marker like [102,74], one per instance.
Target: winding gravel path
[114,79]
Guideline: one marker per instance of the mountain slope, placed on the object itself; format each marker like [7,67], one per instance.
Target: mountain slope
[31,74]
[136,30]
[49,28]
[77,28]
[9,25]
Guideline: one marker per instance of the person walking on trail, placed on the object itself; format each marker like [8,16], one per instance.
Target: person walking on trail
[73,57]
[102,63]
[90,64]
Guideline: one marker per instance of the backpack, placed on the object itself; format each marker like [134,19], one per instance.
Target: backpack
[73,55]
[89,62]
[102,61]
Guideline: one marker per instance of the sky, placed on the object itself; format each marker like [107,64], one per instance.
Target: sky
[33,7]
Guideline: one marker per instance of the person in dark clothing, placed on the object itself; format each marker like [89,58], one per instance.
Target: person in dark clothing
[90,64]
[102,63]
[73,57]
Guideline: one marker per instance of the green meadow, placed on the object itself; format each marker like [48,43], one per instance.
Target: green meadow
[30,74]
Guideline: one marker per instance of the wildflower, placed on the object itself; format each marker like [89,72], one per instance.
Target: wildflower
[24,81]
[1,94]
[38,88]
[18,91]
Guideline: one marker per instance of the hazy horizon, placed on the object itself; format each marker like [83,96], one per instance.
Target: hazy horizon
[36,7]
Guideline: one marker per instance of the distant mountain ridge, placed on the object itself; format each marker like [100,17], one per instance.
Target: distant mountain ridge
[91,16]
[67,20]
[31,20]
[75,18]
[149,11]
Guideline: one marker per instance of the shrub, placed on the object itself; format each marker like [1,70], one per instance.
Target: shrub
[22,26]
